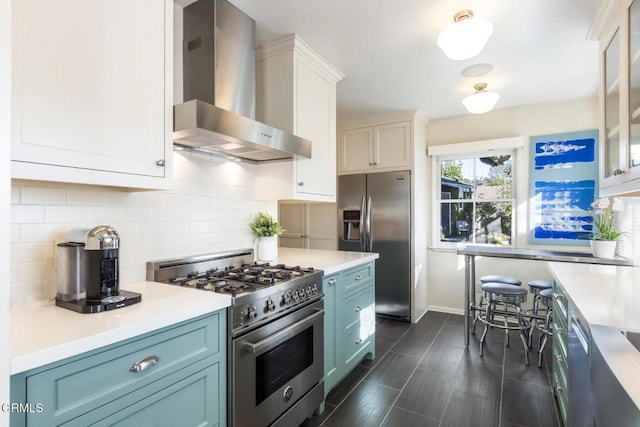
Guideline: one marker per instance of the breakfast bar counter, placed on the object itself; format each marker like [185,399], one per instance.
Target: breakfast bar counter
[471,251]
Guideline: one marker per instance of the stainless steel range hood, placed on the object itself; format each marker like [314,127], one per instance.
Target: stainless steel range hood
[219,88]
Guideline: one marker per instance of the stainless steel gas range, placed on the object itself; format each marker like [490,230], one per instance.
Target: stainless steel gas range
[276,331]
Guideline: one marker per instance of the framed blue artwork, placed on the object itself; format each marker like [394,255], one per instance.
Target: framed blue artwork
[563,183]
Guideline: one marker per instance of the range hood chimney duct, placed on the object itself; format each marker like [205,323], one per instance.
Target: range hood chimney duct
[219,88]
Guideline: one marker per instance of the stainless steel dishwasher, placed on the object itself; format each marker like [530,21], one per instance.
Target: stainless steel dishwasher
[580,396]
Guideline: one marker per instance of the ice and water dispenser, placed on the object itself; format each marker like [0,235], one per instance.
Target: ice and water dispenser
[351,225]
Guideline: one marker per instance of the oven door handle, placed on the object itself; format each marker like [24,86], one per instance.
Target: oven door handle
[284,333]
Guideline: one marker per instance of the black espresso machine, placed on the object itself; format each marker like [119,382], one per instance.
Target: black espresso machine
[88,271]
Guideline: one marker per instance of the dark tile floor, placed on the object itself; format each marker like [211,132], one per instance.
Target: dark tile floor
[423,376]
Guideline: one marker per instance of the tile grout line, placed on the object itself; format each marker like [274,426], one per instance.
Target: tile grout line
[413,372]
[367,374]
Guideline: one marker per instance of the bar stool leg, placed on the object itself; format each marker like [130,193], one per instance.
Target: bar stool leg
[523,334]
[543,338]
[488,315]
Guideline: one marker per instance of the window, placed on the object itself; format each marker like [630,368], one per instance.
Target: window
[476,197]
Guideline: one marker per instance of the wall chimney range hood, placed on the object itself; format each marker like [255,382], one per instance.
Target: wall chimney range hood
[217,116]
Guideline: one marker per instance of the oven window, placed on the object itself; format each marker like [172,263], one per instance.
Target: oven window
[279,365]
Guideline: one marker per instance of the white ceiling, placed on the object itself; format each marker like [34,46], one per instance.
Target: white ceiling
[388,53]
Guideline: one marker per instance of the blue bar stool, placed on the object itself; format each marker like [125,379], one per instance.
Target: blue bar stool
[511,296]
[493,278]
[546,330]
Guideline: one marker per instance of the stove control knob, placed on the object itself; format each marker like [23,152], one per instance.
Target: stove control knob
[283,301]
[269,305]
[251,312]
[309,292]
[296,296]
[314,289]
[287,298]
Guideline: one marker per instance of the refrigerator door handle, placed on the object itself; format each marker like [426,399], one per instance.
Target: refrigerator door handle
[363,228]
[369,227]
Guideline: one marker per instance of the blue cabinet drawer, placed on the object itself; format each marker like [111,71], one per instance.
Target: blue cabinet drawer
[357,307]
[355,344]
[87,382]
[356,276]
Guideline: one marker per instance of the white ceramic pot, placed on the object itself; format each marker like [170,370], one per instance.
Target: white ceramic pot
[267,248]
[603,248]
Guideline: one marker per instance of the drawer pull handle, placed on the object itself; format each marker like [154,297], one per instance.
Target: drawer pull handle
[558,297]
[143,364]
[358,277]
[559,358]
[331,282]
[558,387]
[559,331]
[359,341]
[358,309]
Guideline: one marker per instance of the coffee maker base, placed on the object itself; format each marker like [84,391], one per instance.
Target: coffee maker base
[84,306]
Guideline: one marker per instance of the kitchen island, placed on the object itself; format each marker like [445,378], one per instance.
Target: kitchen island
[592,358]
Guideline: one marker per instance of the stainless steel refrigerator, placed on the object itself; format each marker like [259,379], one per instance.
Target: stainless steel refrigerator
[374,215]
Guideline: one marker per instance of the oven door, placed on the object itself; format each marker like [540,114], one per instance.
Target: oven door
[276,365]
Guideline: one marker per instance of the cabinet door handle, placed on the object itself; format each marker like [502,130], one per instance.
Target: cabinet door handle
[558,387]
[559,358]
[618,172]
[359,341]
[301,184]
[331,282]
[358,277]
[143,364]
[161,162]
[358,309]
[558,297]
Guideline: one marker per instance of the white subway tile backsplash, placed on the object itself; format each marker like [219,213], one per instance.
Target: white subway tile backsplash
[208,209]
[66,214]
[22,214]
[43,196]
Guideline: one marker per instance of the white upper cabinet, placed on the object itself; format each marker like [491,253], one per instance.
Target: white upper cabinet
[296,92]
[378,148]
[92,91]
[618,26]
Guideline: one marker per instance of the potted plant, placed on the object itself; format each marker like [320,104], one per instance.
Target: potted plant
[605,236]
[266,230]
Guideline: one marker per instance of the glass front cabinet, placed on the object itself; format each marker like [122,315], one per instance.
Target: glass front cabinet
[620,99]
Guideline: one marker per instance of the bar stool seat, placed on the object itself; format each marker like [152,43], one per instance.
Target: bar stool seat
[511,296]
[498,278]
[546,298]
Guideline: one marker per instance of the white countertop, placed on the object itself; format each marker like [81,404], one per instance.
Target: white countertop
[605,294]
[43,333]
[327,260]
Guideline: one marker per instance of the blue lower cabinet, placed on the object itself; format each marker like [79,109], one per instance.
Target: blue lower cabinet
[178,371]
[349,324]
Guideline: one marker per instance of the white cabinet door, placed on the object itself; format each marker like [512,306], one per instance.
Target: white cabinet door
[292,217]
[316,121]
[322,226]
[392,146]
[355,150]
[89,92]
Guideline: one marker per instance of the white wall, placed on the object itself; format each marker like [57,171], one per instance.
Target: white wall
[446,269]
[5,179]
[208,209]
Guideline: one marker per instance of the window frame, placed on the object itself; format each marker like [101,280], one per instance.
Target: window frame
[488,148]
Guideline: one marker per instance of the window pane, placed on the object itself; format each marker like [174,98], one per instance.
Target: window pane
[455,222]
[456,177]
[493,223]
[494,177]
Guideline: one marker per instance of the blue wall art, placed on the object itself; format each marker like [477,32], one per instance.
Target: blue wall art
[563,184]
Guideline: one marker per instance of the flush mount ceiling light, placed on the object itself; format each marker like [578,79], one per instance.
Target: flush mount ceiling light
[481,101]
[466,37]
